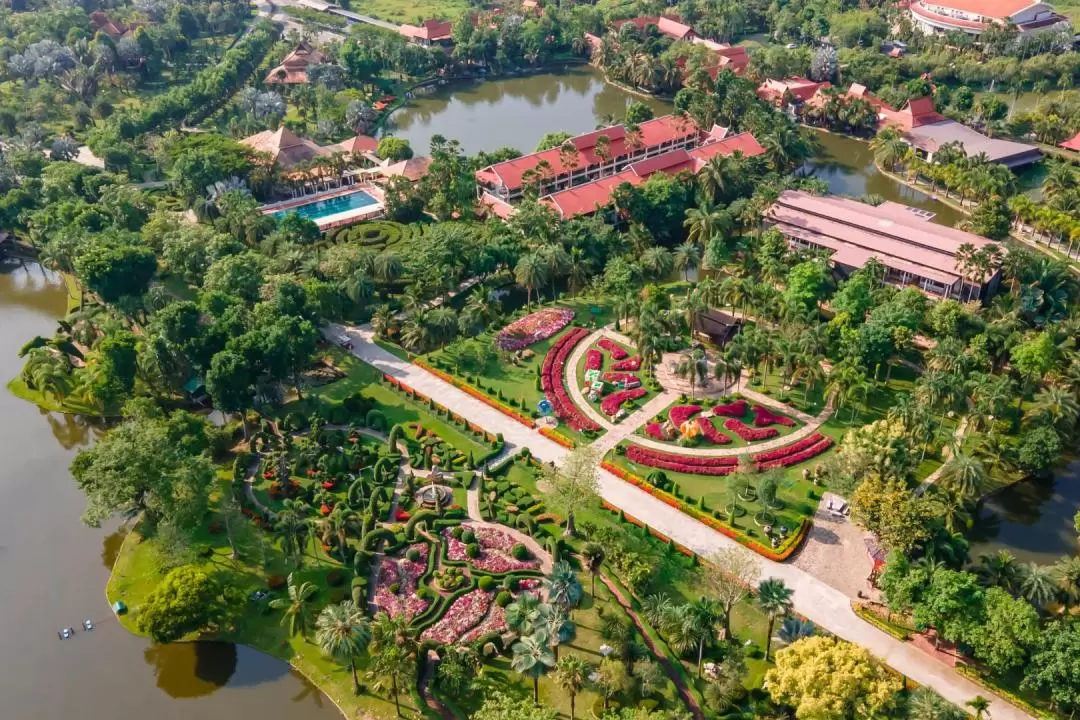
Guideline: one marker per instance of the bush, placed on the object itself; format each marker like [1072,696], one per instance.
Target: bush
[395,588]
[486,582]
[359,582]
[468,536]
[413,555]
[519,552]
[276,582]
[472,550]
[457,532]
[511,583]
[503,599]
[335,578]
[336,596]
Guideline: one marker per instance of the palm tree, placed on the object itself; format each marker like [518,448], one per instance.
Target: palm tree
[593,556]
[889,148]
[774,598]
[694,367]
[559,629]
[526,614]
[963,475]
[687,258]
[416,333]
[297,612]
[1038,585]
[704,222]
[925,704]
[530,273]
[562,586]
[382,321]
[657,262]
[289,527]
[393,666]
[342,632]
[1001,570]
[572,673]
[980,705]
[532,657]
[793,629]
[1067,572]
[444,322]
[703,616]
[1055,406]
[556,264]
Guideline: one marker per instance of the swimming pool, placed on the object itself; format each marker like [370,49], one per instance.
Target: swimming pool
[322,209]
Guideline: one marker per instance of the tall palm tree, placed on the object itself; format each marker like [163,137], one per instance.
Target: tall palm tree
[687,258]
[342,632]
[658,262]
[393,667]
[774,598]
[289,527]
[562,586]
[526,614]
[532,657]
[694,367]
[530,273]
[964,475]
[572,674]
[1067,572]
[1001,570]
[296,606]
[980,705]
[1055,406]
[416,332]
[889,148]
[556,264]
[559,629]
[593,556]
[704,615]
[1038,585]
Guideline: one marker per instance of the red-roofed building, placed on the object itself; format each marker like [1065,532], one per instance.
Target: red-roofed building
[975,16]
[1072,143]
[793,90]
[430,32]
[916,252]
[556,168]
[293,69]
[114,29]
[669,26]
[593,196]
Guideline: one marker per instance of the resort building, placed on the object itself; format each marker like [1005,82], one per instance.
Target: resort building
[668,26]
[724,56]
[595,155]
[915,251]
[594,196]
[428,33]
[293,69]
[975,16]
[1072,143]
[789,94]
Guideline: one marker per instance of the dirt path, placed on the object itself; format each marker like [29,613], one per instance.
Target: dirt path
[675,676]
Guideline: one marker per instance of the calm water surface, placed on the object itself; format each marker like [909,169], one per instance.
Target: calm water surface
[54,571]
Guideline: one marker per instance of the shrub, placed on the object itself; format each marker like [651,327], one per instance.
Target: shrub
[457,532]
[468,536]
[503,599]
[486,582]
[413,555]
[395,588]
[335,578]
[359,582]
[276,582]
[510,583]
[336,595]
[519,552]
[472,550]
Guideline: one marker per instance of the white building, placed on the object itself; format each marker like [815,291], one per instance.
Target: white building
[975,16]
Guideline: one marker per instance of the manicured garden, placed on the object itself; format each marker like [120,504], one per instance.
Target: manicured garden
[610,377]
[731,422]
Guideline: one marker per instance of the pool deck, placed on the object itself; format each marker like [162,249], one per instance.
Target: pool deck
[336,220]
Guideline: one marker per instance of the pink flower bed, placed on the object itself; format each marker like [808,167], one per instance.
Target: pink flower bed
[795,453]
[711,434]
[734,409]
[616,352]
[594,359]
[464,614]
[495,549]
[748,433]
[632,364]
[621,378]
[763,417]
[533,328]
[494,622]
[655,431]
[406,573]
[551,381]
[611,404]
[690,464]
[681,413]
[526,584]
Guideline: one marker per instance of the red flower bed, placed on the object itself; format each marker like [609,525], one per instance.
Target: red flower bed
[616,352]
[632,364]
[533,328]
[551,381]
[655,431]
[732,409]
[748,433]
[796,453]
[681,413]
[611,404]
[711,434]
[594,359]
[797,446]
[689,464]
[621,378]
[763,417]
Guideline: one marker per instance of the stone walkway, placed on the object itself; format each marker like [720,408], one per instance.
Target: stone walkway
[813,598]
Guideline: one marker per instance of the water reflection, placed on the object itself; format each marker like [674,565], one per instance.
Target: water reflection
[188,670]
[110,546]
[71,431]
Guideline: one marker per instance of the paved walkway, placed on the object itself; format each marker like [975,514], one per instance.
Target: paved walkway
[813,598]
[570,380]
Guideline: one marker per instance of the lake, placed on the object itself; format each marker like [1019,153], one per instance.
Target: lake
[1032,519]
[55,570]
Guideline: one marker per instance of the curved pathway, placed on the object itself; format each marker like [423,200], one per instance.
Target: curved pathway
[813,598]
[476,519]
[569,379]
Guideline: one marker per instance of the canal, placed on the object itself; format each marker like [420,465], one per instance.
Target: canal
[54,571]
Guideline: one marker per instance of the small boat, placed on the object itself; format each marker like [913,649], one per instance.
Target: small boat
[87,625]
[65,633]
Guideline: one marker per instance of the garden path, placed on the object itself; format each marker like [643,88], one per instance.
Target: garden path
[535,548]
[813,598]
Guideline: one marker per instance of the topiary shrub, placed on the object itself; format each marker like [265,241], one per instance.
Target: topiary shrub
[519,552]
[412,555]
[335,578]
[468,536]
[503,599]
[486,582]
[472,550]
[376,420]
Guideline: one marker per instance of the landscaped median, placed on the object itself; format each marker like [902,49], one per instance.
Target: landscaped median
[789,545]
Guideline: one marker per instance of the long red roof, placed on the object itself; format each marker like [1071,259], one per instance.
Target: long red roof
[653,133]
[1072,143]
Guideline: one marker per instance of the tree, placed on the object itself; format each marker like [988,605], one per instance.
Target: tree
[827,678]
[342,632]
[1053,668]
[825,64]
[572,673]
[534,658]
[925,704]
[612,678]
[502,707]
[230,380]
[964,475]
[687,257]
[188,600]
[593,555]
[729,574]
[774,598]
[530,273]
[952,604]
[637,112]
[562,586]
[114,270]
[980,705]
[394,149]
[296,606]
[1039,449]
[1008,632]
[891,511]
[805,284]
[394,665]
[573,486]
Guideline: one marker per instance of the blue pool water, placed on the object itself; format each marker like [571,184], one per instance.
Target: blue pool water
[324,208]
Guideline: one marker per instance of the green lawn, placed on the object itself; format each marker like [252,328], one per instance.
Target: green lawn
[412,12]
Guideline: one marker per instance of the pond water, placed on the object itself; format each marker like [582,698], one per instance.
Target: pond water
[513,111]
[847,165]
[55,570]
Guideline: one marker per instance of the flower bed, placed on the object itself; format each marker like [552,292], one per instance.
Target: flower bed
[711,434]
[406,574]
[681,413]
[557,438]
[632,364]
[656,431]
[748,433]
[689,464]
[551,381]
[594,359]
[495,547]
[466,612]
[621,378]
[763,417]
[734,409]
[616,352]
[795,453]
[533,328]
[611,404]
[495,622]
